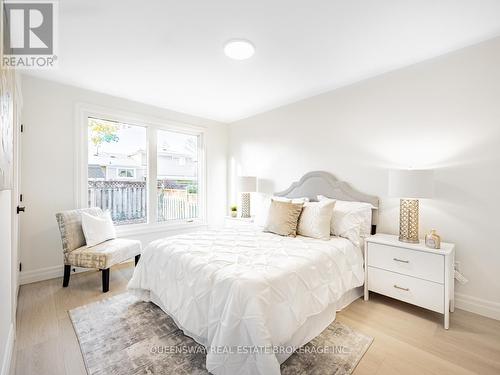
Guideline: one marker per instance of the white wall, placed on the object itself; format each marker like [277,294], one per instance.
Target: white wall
[48,145]
[443,114]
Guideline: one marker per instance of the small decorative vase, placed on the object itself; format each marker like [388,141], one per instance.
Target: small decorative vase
[433,240]
[234,213]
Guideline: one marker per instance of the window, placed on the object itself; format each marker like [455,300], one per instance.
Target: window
[126,173]
[146,174]
[177,176]
[111,146]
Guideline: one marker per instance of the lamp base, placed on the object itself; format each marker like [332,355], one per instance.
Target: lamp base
[408,220]
[402,239]
[245,205]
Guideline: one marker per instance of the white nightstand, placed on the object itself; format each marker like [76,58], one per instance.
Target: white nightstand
[411,273]
[237,222]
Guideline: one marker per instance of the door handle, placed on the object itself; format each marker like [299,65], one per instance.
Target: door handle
[20,209]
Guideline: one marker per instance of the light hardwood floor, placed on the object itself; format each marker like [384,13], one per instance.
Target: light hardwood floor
[408,340]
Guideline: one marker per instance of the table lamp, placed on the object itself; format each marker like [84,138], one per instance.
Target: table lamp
[246,185]
[410,185]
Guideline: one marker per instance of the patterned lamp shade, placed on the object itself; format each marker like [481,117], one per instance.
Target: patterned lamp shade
[409,185]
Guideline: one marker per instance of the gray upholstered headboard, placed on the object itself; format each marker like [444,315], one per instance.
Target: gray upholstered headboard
[317,183]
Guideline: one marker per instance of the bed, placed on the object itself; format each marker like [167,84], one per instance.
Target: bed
[250,297]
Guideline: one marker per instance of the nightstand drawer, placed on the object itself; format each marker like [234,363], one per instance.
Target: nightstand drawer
[407,262]
[409,289]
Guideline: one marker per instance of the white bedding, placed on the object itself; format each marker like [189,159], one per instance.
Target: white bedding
[238,291]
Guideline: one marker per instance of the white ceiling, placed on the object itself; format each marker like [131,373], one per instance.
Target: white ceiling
[170,53]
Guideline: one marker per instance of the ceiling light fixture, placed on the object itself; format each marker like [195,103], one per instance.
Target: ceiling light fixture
[239,49]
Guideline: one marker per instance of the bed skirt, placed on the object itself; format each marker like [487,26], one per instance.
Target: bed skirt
[312,327]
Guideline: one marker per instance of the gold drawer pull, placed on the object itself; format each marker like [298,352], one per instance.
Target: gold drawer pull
[399,287]
[401,260]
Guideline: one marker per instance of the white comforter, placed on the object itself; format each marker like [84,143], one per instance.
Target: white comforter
[241,292]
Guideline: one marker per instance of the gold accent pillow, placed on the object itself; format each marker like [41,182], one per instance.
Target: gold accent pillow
[283,217]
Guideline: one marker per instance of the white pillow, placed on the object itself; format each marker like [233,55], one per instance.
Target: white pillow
[351,220]
[97,229]
[315,219]
[261,204]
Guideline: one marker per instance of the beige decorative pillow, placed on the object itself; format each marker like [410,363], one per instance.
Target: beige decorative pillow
[283,217]
[261,203]
[315,219]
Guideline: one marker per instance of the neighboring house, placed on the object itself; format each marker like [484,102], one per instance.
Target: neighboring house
[111,166]
[176,166]
[171,166]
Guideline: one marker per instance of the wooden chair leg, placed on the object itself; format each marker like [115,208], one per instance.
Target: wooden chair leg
[67,274]
[105,280]
[137,257]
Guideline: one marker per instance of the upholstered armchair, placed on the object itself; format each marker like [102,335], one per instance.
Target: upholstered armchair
[101,256]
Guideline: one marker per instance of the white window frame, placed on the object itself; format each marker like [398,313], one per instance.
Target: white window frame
[152,125]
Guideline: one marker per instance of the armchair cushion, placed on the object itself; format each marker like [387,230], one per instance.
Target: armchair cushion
[97,229]
[70,226]
[103,255]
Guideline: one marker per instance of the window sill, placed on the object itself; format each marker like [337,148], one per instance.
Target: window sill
[141,229]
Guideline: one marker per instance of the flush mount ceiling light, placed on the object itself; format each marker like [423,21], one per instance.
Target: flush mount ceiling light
[239,49]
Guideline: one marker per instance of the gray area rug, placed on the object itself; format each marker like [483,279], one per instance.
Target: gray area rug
[123,336]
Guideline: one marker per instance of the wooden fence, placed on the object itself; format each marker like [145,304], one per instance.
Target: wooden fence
[174,204]
[127,202]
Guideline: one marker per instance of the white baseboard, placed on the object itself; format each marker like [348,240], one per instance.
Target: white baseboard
[47,273]
[9,349]
[32,276]
[53,272]
[477,305]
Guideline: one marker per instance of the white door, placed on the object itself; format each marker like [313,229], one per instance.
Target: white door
[16,194]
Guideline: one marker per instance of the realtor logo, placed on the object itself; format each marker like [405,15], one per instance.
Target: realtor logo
[29,31]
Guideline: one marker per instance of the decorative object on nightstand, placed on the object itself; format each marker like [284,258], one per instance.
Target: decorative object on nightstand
[246,185]
[433,240]
[411,273]
[409,185]
[234,211]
